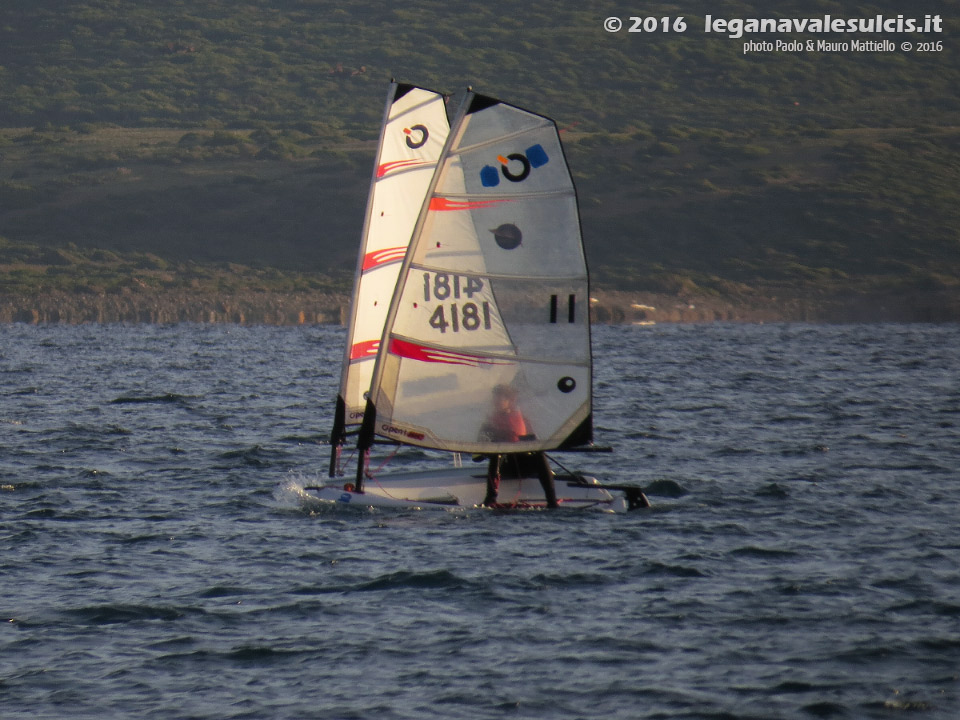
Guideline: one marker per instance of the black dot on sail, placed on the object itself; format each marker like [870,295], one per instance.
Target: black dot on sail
[508,236]
[566,384]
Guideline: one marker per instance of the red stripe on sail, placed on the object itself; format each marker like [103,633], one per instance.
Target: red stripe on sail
[367,348]
[382,257]
[386,167]
[406,349]
[443,204]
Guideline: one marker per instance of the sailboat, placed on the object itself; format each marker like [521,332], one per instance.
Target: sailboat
[469,329]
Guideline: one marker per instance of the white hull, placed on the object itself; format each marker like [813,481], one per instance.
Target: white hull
[464,487]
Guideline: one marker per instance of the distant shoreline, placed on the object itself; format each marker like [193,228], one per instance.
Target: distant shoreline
[608,307]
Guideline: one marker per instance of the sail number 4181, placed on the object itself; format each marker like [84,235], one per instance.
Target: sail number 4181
[469,315]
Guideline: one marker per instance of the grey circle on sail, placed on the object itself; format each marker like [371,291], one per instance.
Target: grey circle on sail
[508,236]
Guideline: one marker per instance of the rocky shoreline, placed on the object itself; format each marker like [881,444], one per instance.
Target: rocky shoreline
[607,307]
[167,307]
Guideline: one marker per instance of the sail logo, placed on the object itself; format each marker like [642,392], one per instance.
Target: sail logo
[377,258]
[387,167]
[442,204]
[364,349]
[402,432]
[515,167]
[413,351]
[416,136]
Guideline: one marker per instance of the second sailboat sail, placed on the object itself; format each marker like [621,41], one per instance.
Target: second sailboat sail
[491,306]
[413,134]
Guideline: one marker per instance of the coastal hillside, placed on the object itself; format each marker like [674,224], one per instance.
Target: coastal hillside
[222,148]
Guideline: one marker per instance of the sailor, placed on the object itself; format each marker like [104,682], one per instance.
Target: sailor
[506,423]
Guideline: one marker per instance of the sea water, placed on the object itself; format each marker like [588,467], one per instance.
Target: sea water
[801,558]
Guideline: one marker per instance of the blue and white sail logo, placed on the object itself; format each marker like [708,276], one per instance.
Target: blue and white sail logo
[515,167]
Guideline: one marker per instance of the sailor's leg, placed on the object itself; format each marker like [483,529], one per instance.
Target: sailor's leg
[545,475]
[493,480]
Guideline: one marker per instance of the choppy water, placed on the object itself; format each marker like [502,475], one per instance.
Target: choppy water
[802,559]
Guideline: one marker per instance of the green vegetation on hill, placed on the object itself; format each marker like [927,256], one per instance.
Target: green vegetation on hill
[276,61]
[236,139]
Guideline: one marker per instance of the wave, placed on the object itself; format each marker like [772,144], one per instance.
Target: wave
[146,399]
[406,579]
[114,614]
[253,456]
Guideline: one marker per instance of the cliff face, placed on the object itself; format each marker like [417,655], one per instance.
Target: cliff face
[309,308]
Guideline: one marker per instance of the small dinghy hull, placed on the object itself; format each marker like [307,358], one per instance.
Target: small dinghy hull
[460,488]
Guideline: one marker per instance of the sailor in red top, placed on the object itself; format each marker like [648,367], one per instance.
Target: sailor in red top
[507,424]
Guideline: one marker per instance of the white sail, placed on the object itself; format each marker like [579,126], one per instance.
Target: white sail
[413,133]
[492,298]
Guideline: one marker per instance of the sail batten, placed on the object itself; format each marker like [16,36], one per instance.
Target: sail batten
[490,197]
[414,110]
[486,355]
[474,323]
[493,141]
[492,276]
